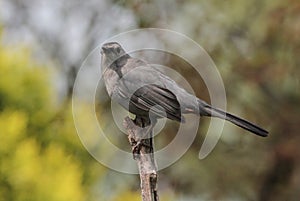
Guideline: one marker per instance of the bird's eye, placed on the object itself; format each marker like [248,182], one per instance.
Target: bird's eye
[118,50]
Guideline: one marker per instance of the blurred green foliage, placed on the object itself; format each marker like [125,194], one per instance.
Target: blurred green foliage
[41,157]
[33,167]
[255,45]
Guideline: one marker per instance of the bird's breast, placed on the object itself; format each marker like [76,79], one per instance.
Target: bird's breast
[111,79]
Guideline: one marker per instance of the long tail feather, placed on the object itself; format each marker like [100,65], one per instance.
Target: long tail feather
[207,110]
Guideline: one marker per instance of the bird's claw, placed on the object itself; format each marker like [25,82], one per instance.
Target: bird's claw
[136,148]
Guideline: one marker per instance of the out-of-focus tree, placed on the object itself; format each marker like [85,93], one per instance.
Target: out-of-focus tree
[64,32]
[41,157]
[32,168]
[255,45]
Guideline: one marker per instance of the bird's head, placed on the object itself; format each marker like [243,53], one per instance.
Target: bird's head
[111,52]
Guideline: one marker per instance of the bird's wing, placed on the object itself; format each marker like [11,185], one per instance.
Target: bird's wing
[161,101]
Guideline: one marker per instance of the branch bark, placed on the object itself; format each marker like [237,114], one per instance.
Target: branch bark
[140,137]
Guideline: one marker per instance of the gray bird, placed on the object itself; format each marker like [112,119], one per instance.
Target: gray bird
[141,89]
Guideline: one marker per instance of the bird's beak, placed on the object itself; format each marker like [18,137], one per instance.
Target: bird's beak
[103,50]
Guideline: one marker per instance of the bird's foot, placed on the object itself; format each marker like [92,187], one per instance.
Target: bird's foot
[137,146]
[139,136]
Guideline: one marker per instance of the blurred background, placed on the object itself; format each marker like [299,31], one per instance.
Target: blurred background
[255,45]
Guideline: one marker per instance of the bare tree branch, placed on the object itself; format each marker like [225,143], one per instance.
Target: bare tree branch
[141,139]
